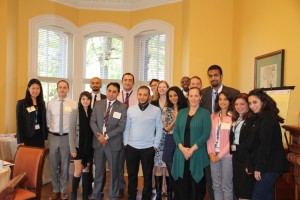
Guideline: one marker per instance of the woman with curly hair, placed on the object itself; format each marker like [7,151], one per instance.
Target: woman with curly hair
[268,154]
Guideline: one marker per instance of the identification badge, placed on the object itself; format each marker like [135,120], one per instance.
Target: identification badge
[31,109]
[225,126]
[67,109]
[104,129]
[233,147]
[37,126]
[117,115]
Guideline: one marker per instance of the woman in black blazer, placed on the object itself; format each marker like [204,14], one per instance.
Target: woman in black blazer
[268,155]
[242,141]
[31,116]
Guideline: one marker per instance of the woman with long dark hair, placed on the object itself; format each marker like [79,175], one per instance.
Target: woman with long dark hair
[218,148]
[31,116]
[80,140]
[242,141]
[175,102]
[268,154]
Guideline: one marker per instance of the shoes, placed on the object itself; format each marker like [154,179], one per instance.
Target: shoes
[63,196]
[121,192]
[54,196]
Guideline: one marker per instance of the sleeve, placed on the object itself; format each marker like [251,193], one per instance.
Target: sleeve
[127,128]
[176,130]
[266,130]
[20,122]
[210,142]
[93,120]
[44,117]
[48,114]
[205,129]
[158,128]
[72,130]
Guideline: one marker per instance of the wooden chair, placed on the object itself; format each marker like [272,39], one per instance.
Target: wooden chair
[8,191]
[29,160]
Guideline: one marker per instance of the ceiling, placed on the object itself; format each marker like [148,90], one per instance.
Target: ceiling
[116,5]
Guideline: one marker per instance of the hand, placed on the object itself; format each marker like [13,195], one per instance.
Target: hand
[73,154]
[247,171]
[257,175]
[46,144]
[187,154]
[101,139]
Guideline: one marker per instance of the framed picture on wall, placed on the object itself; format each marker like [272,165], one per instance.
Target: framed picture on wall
[268,70]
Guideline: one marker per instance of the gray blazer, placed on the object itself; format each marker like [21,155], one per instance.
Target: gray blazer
[115,125]
[207,96]
[74,130]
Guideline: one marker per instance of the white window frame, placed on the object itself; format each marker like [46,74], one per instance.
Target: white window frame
[61,23]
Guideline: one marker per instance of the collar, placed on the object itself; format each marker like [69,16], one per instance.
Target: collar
[98,94]
[112,102]
[65,99]
[143,107]
[219,90]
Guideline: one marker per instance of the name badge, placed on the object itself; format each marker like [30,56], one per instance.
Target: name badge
[31,109]
[225,126]
[233,147]
[37,126]
[67,109]
[104,129]
[117,115]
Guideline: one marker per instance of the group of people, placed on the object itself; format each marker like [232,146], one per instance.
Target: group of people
[214,139]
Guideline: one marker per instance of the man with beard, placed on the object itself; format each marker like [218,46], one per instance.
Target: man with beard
[96,85]
[142,136]
[209,99]
[185,83]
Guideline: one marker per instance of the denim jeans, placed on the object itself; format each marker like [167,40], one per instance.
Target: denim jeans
[263,188]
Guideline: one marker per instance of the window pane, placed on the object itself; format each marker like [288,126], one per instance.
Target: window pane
[49,91]
[103,57]
[53,50]
[151,56]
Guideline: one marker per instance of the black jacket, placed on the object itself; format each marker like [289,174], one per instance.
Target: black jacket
[26,121]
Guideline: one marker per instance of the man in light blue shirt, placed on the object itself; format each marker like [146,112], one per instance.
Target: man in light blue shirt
[142,136]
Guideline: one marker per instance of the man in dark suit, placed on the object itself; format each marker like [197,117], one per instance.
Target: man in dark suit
[96,85]
[209,96]
[108,123]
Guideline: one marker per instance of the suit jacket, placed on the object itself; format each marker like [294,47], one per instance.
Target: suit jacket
[26,121]
[247,141]
[207,96]
[115,125]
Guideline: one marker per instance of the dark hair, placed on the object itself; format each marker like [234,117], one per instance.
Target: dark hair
[153,80]
[86,94]
[200,91]
[184,78]
[39,99]
[235,114]
[229,98]
[62,81]
[182,101]
[115,84]
[215,67]
[130,74]
[145,88]
[268,104]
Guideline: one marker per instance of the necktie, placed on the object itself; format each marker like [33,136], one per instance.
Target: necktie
[127,100]
[215,98]
[61,118]
[95,99]
[106,116]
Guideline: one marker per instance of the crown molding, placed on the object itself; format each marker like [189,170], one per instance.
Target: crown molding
[115,5]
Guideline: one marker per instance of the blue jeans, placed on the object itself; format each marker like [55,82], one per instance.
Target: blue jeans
[263,188]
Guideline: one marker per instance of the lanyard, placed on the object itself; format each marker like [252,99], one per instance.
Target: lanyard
[36,115]
[217,145]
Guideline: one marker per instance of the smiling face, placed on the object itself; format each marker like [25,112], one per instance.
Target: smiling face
[185,82]
[173,97]
[127,82]
[223,102]
[85,101]
[34,90]
[143,96]
[215,78]
[62,89]
[255,103]
[241,106]
[194,97]
[162,88]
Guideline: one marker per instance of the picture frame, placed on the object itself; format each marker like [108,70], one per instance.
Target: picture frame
[268,70]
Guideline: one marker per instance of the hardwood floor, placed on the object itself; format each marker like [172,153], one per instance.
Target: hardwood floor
[47,189]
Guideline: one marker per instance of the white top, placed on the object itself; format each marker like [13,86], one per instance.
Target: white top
[53,112]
